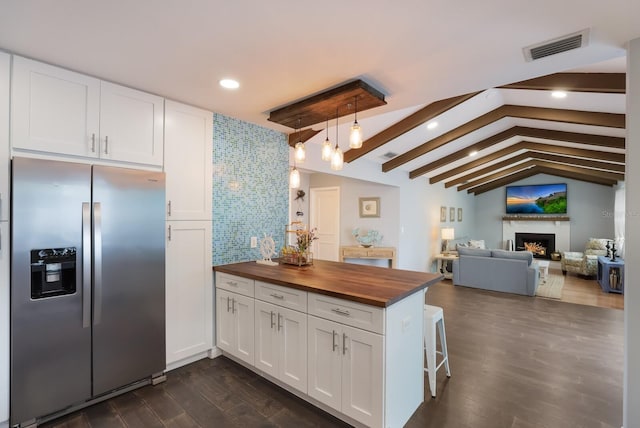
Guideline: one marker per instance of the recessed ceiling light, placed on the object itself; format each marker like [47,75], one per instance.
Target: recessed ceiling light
[229,84]
[432,125]
[559,94]
[473,153]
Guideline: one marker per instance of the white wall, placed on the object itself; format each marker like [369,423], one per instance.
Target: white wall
[632,251]
[388,224]
[410,213]
[590,207]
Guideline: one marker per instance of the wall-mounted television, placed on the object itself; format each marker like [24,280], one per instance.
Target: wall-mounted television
[537,199]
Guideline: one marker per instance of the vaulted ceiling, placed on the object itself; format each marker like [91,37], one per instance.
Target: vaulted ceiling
[432,61]
[532,133]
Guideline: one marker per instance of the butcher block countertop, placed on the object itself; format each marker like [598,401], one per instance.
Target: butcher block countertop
[371,285]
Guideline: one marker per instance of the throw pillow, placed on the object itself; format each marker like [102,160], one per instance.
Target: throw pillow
[596,244]
[476,244]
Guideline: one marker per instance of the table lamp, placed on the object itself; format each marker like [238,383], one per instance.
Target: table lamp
[447,234]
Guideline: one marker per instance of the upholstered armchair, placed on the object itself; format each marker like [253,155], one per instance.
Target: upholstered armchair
[584,263]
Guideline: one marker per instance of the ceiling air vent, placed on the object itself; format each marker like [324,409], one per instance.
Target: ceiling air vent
[388,155]
[555,46]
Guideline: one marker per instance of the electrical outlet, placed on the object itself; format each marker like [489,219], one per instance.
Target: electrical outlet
[254,241]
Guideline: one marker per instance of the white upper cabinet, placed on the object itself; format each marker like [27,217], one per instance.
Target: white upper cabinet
[58,111]
[54,110]
[5,70]
[131,125]
[188,152]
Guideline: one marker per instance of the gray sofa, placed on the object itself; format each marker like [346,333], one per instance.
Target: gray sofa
[496,270]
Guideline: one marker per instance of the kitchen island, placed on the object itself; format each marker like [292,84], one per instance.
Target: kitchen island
[345,337]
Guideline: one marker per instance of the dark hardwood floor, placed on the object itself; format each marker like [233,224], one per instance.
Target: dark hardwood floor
[516,362]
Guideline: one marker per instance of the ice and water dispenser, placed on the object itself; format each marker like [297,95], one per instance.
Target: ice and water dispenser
[53,272]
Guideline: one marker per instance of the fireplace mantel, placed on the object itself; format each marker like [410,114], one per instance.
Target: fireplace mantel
[535,218]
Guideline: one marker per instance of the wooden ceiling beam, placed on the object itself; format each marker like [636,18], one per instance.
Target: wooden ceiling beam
[304,136]
[410,122]
[539,170]
[317,108]
[504,181]
[498,174]
[526,145]
[608,83]
[606,166]
[503,164]
[605,175]
[573,137]
[611,120]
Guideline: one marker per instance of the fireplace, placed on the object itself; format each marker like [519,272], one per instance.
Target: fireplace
[540,244]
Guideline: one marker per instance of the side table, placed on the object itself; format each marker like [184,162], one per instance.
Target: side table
[611,275]
[445,264]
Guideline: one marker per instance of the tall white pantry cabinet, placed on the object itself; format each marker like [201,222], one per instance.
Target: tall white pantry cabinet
[189,277]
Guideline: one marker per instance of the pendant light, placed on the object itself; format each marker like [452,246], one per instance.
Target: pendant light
[294,175]
[355,136]
[327,149]
[294,178]
[337,158]
[299,152]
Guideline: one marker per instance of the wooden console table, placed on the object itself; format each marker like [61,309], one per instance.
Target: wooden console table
[358,252]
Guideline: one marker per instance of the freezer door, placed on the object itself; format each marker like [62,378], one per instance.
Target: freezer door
[50,333]
[129,297]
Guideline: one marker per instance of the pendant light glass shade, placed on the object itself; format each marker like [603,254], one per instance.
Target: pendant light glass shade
[327,149]
[355,136]
[299,152]
[294,178]
[337,159]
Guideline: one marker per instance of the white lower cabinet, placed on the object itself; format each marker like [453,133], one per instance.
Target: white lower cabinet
[362,363]
[281,343]
[235,324]
[345,369]
[189,290]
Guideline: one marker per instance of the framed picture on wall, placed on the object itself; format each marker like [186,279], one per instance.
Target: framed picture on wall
[452,214]
[369,207]
[443,213]
[459,214]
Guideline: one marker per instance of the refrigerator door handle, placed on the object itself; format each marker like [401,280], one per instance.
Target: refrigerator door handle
[86,265]
[97,263]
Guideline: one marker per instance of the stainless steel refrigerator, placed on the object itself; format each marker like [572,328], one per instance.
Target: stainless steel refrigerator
[87,283]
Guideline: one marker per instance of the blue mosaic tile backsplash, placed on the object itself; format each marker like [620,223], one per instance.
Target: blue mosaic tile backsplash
[250,188]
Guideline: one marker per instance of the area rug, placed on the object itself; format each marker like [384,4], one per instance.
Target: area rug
[551,287]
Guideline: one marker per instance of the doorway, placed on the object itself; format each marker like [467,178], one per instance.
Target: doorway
[324,214]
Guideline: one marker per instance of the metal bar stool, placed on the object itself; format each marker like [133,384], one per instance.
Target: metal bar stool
[434,316]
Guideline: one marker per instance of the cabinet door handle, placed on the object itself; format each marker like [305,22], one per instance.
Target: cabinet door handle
[228,304]
[169,233]
[169,209]
[335,345]
[232,283]
[273,323]
[277,296]
[279,325]
[93,142]
[106,145]
[344,343]
[341,312]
